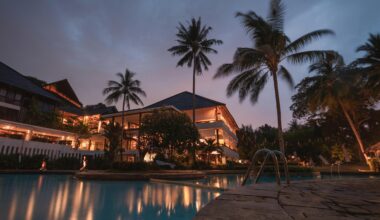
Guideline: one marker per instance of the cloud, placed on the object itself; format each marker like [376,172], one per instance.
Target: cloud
[89,41]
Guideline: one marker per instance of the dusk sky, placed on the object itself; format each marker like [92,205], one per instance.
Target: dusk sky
[87,42]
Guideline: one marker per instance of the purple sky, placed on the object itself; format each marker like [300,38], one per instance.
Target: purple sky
[87,42]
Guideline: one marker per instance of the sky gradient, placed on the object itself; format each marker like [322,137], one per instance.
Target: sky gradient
[87,42]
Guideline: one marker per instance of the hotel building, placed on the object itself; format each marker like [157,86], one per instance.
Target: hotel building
[21,96]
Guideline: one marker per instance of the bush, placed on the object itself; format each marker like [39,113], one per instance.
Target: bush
[99,163]
[9,161]
[64,163]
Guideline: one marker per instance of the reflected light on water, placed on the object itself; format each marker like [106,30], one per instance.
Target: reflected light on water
[61,197]
[30,207]
[12,210]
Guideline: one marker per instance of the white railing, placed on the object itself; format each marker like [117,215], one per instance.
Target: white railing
[53,151]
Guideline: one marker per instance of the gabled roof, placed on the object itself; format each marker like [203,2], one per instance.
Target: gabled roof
[15,79]
[99,108]
[63,89]
[184,101]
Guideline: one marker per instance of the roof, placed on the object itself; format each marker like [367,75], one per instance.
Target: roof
[63,89]
[140,110]
[99,108]
[15,79]
[184,101]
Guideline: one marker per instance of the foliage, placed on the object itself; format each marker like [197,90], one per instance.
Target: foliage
[246,141]
[249,140]
[271,48]
[193,45]
[126,88]
[36,116]
[168,132]
[329,92]
[371,63]
[129,90]
[112,132]
[209,146]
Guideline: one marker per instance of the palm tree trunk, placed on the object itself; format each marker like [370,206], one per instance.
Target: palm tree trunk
[193,152]
[356,133]
[122,130]
[194,94]
[278,107]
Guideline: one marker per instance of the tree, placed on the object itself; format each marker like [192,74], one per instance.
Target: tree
[171,132]
[209,146]
[330,90]
[193,47]
[112,132]
[246,141]
[271,48]
[129,90]
[371,62]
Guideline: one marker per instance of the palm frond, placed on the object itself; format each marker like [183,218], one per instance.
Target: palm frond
[276,15]
[285,75]
[306,39]
[308,56]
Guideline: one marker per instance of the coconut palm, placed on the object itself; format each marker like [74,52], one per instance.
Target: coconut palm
[126,88]
[193,47]
[371,62]
[330,89]
[271,48]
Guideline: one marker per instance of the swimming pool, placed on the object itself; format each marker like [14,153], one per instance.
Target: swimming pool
[56,197]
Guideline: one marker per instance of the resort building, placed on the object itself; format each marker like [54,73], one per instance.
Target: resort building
[213,121]
[29,109]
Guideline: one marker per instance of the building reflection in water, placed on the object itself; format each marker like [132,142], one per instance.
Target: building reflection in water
[61,197]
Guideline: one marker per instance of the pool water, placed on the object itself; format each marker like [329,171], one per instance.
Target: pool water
[229,181]
[57,197]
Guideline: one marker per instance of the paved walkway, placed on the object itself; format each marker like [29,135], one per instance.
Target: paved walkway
[317,199]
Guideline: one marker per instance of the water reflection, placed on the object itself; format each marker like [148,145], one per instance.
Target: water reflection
[61,197]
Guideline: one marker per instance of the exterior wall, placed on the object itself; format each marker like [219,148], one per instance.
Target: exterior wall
[52,151]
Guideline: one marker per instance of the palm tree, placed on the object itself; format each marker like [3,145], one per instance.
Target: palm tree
[330,89]
[371,63]
[129,90]
[210,146]
[271,47]
[193,47]
[112,132]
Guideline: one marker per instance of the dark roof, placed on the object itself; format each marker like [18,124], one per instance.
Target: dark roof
[15,79]
[99,108]
[64,87]
[69,107]
[184,101]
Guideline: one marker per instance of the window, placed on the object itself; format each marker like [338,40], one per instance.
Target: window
[3,92]
[10,95]
[18,97]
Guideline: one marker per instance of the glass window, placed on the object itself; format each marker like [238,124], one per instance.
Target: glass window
[10,95]
[18,97]
[3,92]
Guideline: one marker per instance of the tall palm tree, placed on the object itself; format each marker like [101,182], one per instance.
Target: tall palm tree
[271,48]
[129,90]
[330,89]
[193,47]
